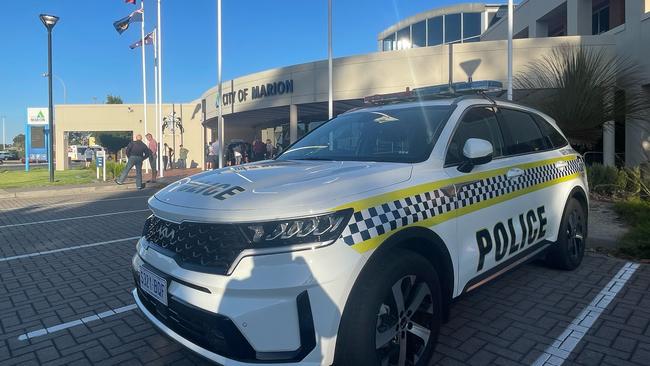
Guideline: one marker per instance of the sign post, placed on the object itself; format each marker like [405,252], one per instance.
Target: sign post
[100,162]
[37,134]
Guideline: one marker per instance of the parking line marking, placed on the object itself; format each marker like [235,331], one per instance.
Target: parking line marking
[70,203]
[71,218]
[74,323]
[567,341]
[7,259]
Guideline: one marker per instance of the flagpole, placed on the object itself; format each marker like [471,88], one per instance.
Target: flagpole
[510,31]
[160,98]
[144,76]
[155,86]
[330,93]
[220,127]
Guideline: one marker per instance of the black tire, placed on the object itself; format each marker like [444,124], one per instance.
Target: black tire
[569,249]
[371,311]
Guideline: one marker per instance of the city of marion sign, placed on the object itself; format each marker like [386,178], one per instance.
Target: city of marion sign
[258,92]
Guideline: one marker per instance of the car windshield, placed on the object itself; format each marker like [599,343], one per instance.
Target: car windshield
[402,135]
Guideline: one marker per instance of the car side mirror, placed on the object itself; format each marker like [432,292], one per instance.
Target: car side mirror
[475,152]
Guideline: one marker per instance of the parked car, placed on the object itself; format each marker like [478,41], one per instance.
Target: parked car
[350,247]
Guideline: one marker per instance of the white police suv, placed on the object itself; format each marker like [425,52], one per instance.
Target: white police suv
[349,248]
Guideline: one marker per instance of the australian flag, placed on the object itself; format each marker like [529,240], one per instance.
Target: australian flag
[148,39]
[123,24]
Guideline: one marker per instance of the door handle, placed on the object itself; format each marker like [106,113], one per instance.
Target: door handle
[561,164]
[514,173]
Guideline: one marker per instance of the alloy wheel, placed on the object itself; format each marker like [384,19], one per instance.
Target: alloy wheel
[403,322]
[575,234]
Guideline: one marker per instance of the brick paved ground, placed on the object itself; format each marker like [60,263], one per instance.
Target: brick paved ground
[510,321]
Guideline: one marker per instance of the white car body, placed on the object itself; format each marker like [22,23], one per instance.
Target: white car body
[261,291]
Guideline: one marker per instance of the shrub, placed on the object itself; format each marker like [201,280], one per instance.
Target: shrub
[636,242]
[114,169]
[608,180]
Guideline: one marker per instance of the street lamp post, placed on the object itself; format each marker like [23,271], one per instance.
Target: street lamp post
[49,21]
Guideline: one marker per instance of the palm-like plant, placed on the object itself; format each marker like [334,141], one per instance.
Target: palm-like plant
[582,88]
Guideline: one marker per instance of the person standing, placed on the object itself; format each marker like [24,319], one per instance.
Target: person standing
[170,155]
[152,144]
[182,157]
[259,149]
[215,150]
[269,149]
[165,158]
[137,151]
[88,154]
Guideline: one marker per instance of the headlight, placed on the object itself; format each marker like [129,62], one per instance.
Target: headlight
[322,229]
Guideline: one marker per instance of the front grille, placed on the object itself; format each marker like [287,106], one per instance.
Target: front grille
[209,248]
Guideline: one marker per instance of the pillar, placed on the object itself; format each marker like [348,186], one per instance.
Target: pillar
[579,17]
[293,123]
[60,150]
[609,149]
[539,29]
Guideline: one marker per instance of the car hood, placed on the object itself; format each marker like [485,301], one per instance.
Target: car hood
[280,188]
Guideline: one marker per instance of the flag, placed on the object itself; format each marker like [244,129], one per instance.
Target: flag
[130,1]
[123,24]
[148,39]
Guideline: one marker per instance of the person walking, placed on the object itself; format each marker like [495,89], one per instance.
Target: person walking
[165,158]
[152,144]
[137,151]
[182,157]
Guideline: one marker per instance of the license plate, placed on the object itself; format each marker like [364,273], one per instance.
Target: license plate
[154,285]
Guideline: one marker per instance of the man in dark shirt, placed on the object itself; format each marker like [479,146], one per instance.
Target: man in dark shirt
[137,151]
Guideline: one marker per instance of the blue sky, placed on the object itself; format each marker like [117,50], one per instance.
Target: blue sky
[93,60]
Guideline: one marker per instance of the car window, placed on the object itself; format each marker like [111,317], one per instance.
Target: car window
[553,136]
[521,133]
[479,123]
[403,135]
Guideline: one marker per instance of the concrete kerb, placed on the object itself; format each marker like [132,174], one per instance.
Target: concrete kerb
[97,188]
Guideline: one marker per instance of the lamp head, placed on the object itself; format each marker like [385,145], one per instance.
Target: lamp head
[49,21]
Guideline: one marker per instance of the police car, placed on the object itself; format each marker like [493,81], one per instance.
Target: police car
[349,247]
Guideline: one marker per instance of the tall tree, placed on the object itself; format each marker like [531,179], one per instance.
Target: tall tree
[113,99]
[113,141]
[582,88]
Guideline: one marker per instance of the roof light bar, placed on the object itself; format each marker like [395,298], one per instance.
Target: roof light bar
[438,91]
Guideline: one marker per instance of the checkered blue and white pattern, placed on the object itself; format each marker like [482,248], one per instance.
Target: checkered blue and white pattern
[374,221]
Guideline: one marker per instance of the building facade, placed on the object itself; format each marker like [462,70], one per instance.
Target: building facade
[452,43]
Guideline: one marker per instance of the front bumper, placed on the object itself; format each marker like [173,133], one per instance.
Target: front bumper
[280,308]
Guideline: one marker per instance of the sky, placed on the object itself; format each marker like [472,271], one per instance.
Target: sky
[93,60]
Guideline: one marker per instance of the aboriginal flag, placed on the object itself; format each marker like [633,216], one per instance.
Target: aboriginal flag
[148,39]
[130,1]
[123,24]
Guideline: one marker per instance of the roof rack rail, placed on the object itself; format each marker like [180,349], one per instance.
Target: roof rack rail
[453,90]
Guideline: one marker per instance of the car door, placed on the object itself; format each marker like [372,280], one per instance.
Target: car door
[479,203]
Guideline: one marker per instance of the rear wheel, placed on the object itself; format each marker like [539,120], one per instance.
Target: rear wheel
[393,315]
[568,251]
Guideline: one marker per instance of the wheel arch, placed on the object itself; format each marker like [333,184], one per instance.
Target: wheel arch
[434,251]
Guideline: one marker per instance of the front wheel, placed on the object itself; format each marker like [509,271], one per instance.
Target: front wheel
[568,251]
[393,315]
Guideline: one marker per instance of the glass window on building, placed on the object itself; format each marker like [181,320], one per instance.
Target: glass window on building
[452,28]
[600,20]
[388,44]
[471,25]
[435,31]
[404,38]
[419,34]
